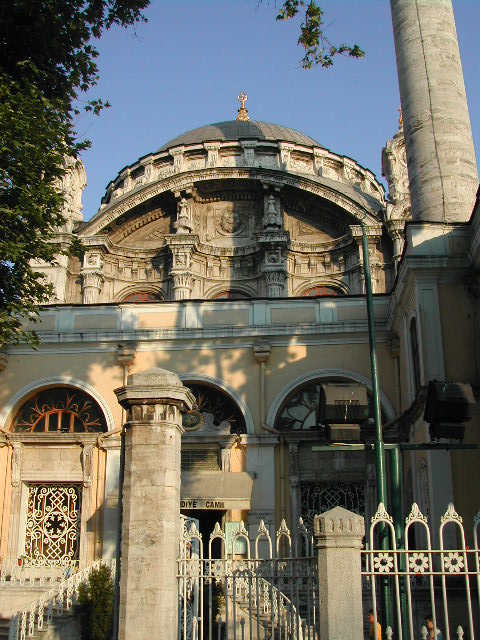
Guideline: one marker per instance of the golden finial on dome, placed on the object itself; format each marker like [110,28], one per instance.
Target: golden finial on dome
[242,112]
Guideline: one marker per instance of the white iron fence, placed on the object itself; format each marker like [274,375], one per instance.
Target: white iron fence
[249,591]
[59,599]
[410,584]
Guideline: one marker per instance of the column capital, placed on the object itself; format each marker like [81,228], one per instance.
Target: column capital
[153,387]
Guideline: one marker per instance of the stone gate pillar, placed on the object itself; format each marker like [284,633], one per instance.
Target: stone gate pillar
[148,605]
[338,540]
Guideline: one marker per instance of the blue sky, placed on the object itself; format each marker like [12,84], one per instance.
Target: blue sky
[186,66]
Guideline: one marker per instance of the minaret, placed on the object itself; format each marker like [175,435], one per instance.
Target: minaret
[441,162]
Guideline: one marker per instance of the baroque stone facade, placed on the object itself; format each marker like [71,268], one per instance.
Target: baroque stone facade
[232,257]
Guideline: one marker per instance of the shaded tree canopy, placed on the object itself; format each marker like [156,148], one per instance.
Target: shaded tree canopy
[47,57]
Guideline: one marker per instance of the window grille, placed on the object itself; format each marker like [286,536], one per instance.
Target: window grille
[200,460]
[53,524]
[317,498]
[60,410]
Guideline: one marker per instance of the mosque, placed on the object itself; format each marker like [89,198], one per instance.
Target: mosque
[232,257]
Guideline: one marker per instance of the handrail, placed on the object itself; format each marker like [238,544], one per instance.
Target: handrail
[59,598]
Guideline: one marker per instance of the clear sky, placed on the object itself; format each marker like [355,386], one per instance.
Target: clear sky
[185,67]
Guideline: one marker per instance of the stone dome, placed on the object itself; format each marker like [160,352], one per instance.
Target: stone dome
[239,130]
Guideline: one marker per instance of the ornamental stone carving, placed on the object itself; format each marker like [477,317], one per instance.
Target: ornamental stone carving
[184,223]
[285,152]
[272,219]
[231,221]
[249,152]
[87,464]
[72,185]
[212,153]
[274,283]
[182,284]
[394,168]
[17,463]
[178,159]
[92,277]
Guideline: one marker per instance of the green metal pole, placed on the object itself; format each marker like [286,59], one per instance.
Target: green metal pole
[379,448]
[397,514]
[397,496]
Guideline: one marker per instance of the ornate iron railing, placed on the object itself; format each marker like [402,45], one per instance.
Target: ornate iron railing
[61,598]
[19,573]
[268,593]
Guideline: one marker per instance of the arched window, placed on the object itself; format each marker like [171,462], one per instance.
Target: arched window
[232,294]
[319,291]
[214,411]
[300,409]
[142,296]
[59,410]
[415,354]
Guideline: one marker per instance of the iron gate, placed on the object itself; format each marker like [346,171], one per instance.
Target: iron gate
[247,589]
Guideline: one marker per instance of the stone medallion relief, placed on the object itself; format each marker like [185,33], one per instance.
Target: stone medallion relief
[226,224]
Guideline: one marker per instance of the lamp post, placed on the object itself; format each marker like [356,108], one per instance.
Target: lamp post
[379,447]
[377,416]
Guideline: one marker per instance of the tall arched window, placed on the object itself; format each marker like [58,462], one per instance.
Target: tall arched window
[59,410]
[415,354]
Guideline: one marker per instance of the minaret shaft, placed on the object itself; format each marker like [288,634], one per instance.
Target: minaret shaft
[441,161]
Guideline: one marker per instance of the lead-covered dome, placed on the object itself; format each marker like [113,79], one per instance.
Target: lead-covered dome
[240,130]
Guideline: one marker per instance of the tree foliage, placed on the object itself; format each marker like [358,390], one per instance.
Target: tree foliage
[318,49]
[95,605]
[47,57]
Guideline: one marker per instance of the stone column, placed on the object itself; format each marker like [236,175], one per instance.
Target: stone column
[148,606]
[338,540]
[441,162]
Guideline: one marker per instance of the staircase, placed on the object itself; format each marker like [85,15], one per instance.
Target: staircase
[50,615]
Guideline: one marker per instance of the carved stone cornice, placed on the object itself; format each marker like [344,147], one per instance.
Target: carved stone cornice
[180,181]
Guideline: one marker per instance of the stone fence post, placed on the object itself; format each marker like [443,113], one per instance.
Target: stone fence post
[338,540]
[148,606]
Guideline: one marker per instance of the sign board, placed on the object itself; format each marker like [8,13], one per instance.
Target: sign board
[200,503]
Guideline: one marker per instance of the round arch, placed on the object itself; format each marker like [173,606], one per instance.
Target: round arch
[180,181]
[22,394]
[220,384]
[214,292]
[324,374]
[132,289]
[340,287]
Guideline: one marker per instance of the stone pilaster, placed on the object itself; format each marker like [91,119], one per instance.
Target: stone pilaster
[92,277]
[274,240]
[442,170]
[154,401]
[178,159]
[248,147]
[338,539]
[395,230]
[374,235]
[182,246]
[212,149]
